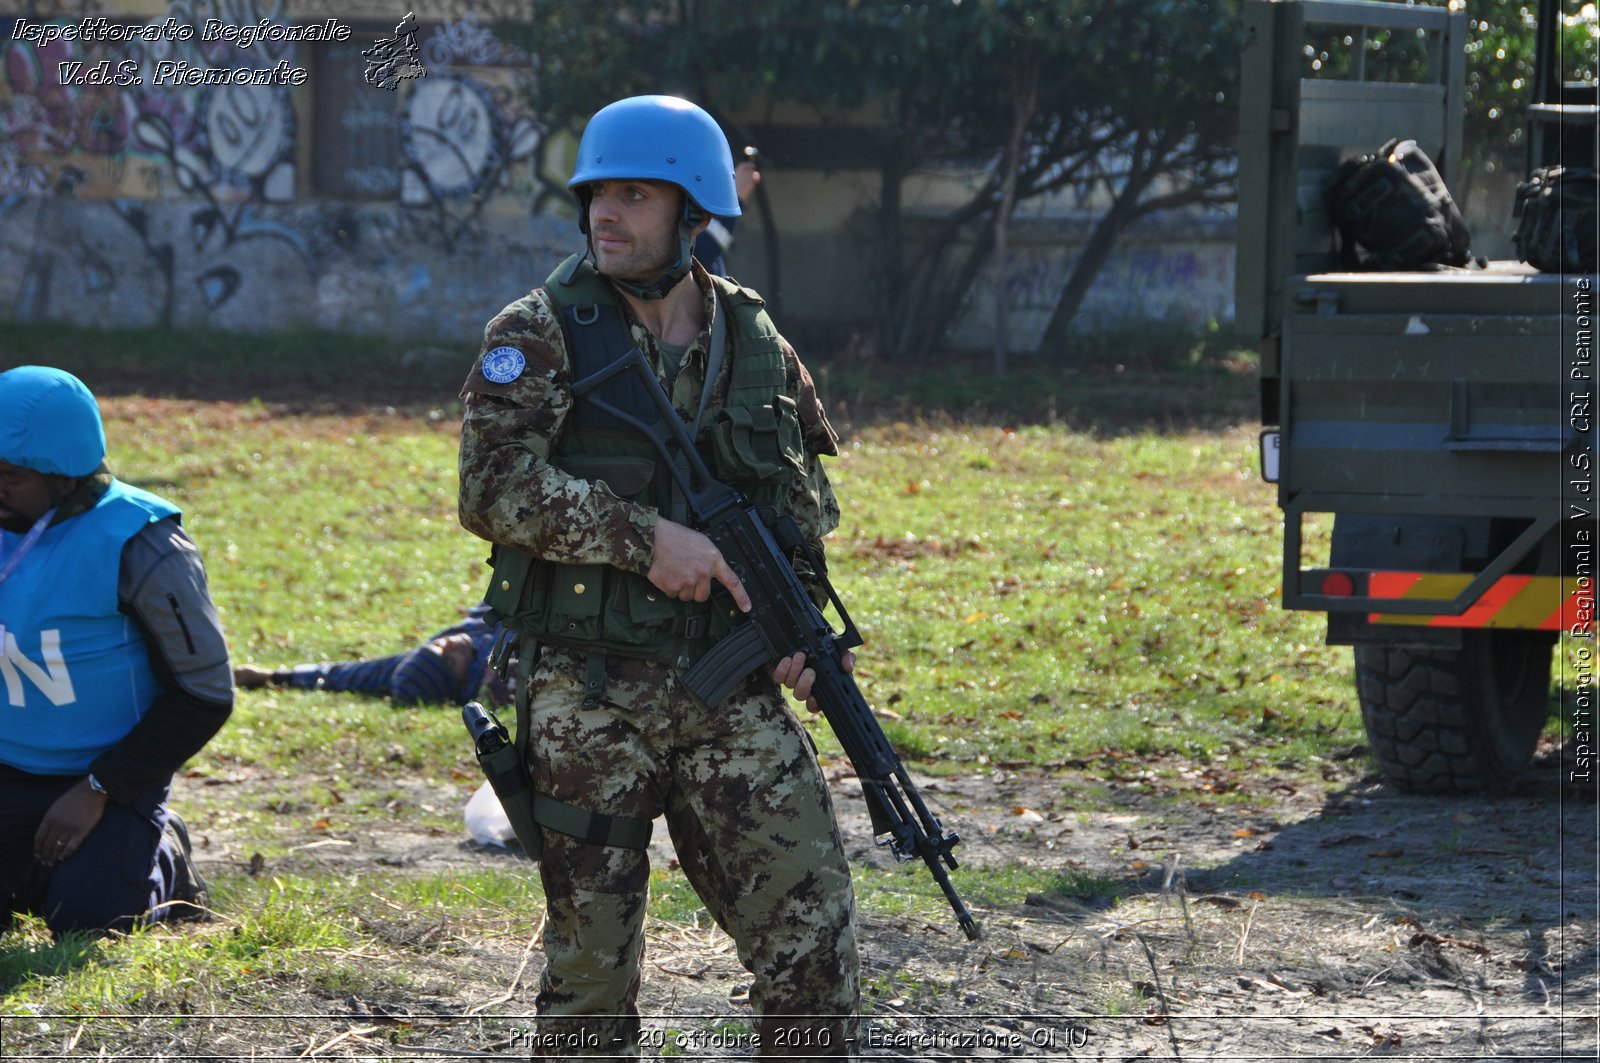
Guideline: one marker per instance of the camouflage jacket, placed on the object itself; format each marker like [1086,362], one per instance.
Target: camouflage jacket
[512,494]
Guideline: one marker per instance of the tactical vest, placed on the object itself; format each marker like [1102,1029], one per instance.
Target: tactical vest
[77,673]
[753,443]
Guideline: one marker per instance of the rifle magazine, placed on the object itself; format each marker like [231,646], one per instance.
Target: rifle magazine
[727,662]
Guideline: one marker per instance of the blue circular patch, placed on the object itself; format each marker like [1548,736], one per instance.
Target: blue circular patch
[503,365]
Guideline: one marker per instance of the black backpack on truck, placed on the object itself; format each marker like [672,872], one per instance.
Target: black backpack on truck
[1555,214]
[1396,205]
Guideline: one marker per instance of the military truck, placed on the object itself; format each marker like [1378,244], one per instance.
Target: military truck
[1430,428]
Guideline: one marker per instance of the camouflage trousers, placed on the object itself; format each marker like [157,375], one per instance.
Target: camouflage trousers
[750,818]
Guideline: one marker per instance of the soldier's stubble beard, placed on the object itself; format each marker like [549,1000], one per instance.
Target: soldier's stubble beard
[646,257]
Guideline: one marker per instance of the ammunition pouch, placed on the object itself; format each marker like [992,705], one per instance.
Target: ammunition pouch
[759,449]
[600,607]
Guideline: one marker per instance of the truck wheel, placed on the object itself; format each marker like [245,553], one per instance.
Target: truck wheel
[1455,721]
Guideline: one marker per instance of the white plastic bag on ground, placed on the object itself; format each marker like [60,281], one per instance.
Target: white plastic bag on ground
[486,820]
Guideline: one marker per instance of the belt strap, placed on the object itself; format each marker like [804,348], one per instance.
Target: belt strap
[595,828]
[527,661]
[594,683]
[713,359]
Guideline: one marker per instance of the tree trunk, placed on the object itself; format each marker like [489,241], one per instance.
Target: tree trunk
[1026,80]
[1096,252]
[934,305]
[891,271]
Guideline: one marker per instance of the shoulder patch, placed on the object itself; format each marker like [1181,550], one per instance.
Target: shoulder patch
[503,365]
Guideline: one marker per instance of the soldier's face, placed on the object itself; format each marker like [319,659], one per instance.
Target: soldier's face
[634,227]
[25,495]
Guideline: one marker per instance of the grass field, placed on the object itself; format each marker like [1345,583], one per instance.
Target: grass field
[1095,599]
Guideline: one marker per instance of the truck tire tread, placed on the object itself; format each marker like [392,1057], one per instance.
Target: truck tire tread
[1441,721]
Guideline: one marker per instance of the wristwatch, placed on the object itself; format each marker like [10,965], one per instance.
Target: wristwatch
[94,784]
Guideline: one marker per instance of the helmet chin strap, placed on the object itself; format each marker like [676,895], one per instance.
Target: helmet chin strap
[675,272]
[668,280]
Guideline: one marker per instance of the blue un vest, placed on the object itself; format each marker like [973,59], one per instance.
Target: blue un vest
[75,675]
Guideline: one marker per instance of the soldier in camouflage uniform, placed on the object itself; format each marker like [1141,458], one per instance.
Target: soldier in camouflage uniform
[615,598]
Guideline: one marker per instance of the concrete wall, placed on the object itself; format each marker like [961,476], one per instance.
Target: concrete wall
[1157,274]
[1171,267]
[267,267]
[416,212]
[327,202]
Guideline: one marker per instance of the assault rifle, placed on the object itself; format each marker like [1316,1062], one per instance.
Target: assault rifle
[758,545]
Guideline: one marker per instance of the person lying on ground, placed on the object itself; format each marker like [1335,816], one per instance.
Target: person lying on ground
[451,667]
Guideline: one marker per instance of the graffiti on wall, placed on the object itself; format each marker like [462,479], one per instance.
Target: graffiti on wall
[1189,281]
[467,42]
[459,149]
[185,205]
[238,140]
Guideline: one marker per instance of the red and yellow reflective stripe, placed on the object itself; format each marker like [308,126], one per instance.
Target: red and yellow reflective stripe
[1530,603]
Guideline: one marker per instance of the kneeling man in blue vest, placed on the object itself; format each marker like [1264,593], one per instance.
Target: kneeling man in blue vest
[113,671]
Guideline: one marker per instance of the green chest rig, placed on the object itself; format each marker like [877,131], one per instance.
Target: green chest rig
[753,442]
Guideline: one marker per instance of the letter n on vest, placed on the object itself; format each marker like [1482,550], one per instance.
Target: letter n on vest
[53,678]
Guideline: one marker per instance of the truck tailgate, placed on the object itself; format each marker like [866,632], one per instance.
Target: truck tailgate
[1454,381]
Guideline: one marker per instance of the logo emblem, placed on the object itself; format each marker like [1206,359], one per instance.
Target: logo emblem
[503,365]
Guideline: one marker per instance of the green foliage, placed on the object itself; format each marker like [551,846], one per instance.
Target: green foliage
[910,891]
[1088,888]
[44,958]
[673,900]
[937,65]
[276,937]
[1501,61]
[282,929]
[1035,595]
[937,81]
[287,510]
[1500,71]
[1099,389]
[1028,594]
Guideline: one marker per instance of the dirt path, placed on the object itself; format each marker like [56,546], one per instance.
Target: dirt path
[1222,919]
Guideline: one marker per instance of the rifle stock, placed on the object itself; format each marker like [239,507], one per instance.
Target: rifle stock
[784,620]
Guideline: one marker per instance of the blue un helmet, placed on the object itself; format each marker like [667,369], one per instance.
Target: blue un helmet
[51,422]
[659,138]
